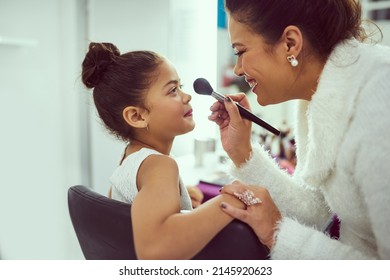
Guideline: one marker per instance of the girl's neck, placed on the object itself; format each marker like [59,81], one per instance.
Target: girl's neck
[138,144]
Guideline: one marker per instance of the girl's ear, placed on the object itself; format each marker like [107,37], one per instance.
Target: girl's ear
[292,40]
[135,116]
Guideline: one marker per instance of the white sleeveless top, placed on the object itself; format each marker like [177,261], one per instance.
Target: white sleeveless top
[124,179]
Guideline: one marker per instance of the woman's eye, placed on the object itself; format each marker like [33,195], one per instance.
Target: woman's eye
[238,53]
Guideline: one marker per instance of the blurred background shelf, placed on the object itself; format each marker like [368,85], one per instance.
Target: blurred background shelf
[17,42]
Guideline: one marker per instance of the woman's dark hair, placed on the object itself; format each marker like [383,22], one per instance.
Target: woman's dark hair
[118,81]
[324,23]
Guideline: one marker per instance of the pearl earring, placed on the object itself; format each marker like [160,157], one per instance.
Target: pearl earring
[293,61]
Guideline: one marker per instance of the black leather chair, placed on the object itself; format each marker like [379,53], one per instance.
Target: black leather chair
[103,228]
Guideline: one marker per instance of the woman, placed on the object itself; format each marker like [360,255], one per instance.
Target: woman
[312,51]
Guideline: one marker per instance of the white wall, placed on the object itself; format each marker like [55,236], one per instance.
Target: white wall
[384,25]
[50,135]
[40,142]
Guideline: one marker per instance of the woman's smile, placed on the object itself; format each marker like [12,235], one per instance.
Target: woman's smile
[251,82]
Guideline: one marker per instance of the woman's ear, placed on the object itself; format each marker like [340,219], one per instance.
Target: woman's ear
[292,40]
[135,116]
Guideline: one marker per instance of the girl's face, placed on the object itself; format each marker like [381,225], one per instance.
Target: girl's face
[268,73]
[170,113]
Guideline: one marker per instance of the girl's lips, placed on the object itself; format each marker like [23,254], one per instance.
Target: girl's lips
[188,114]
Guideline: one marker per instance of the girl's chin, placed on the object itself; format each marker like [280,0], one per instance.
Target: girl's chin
[191,127]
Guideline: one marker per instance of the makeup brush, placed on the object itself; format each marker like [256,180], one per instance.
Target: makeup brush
[202,86]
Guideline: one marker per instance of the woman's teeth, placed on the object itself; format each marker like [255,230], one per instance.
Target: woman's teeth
[252,84]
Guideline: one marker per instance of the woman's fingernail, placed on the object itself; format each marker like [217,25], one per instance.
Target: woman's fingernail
[228,99]
[223,205]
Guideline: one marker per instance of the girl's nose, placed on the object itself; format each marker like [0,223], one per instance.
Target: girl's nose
[186,98]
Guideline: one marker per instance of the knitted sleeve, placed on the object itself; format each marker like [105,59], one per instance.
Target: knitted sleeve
[372,164]
[292,197]
[370,146]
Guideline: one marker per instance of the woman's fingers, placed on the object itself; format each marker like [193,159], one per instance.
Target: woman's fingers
[217,106]
[232,110]
[220,117]
[235,186]
[261,212]
[234,212]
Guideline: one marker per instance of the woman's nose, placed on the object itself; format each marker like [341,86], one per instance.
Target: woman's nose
[238,69]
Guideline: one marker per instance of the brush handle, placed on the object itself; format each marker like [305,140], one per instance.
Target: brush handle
[248,115]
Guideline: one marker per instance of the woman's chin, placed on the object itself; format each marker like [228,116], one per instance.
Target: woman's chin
[266,101]
[262,101]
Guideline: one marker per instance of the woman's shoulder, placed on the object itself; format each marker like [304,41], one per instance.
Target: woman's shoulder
[378,53]
[362,63]
[355,53]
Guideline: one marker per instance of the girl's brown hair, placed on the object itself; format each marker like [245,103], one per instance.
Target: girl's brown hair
[118,81]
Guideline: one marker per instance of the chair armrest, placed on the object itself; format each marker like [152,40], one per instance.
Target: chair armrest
[237,241]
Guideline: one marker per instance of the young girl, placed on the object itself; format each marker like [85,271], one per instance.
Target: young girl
[139,98]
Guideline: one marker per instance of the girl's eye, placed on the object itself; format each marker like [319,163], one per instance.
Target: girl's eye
[175,89]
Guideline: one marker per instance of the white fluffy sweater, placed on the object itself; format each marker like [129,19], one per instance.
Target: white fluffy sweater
[343,150]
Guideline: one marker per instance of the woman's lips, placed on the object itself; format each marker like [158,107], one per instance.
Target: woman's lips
[254,87]
[252,83]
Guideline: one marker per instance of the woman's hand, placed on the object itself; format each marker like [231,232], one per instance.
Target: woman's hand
[235,131]
[261,215]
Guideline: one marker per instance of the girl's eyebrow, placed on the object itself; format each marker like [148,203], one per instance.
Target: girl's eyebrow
[174,82]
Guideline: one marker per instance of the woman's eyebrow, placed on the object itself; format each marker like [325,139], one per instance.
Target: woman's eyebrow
[236,44]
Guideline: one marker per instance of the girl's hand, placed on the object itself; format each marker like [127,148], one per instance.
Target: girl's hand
[196,196]
[235,131]
[262,216]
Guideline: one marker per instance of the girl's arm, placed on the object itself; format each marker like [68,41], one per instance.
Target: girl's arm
[160,230]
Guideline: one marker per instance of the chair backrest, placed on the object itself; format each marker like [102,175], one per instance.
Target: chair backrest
[104,231]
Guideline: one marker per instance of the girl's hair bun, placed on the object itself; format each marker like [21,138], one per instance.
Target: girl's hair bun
[99,57]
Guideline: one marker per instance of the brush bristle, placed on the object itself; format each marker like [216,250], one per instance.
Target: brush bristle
[202,86]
